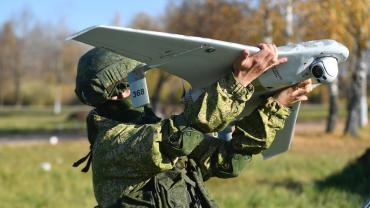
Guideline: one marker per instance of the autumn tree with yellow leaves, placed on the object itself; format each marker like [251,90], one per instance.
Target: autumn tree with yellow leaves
[9,57]
[349,23]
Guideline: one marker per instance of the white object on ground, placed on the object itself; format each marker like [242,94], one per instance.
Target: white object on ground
[45,166]
[53,140]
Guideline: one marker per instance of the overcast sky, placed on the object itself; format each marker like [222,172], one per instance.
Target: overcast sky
[80,14]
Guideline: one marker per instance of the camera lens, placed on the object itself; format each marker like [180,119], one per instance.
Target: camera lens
[317,71]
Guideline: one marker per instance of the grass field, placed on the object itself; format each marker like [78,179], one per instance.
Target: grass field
[319,171]
[310,175]
[28,120]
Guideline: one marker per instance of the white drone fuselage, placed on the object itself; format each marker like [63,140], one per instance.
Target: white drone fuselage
[313,59]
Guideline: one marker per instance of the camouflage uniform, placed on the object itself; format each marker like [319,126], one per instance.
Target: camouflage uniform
[142,162]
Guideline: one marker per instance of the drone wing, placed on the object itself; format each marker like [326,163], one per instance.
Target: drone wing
[200,61]
[284,137]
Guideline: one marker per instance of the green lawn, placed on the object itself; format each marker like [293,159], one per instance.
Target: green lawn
[317,172]
[27,120]
[301,178]
[41,119]
[295,180]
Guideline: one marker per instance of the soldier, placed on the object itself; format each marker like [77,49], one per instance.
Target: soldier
[139,160]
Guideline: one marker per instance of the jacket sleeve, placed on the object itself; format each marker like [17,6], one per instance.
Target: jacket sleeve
[219,104]
[256,132]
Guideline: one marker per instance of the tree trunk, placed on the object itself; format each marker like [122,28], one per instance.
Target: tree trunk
[1,97]
[289,21]
[1,84]
[363,100]
[58,91]
[17,67]
[57,100]
[352,122]
[17,85]
[355,95]
[364,120]
[333,107]
[268,28]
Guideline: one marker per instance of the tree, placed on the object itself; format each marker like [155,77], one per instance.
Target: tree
[217,19]
[333,107]
[346,22]
[321,13]
[145,22]
[265,6]
[22,26]
[2,72]
[64,63]
[9,61]
[289,21]
[358,27]
[117,19]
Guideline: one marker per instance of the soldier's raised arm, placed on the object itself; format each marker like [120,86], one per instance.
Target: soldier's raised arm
[220,104]
[224,100]
[253,134]
[256,132]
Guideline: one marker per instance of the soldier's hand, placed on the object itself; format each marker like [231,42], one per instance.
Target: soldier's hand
[291,95]
[248,67]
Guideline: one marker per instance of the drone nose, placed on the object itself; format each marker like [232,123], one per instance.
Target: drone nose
[317,71]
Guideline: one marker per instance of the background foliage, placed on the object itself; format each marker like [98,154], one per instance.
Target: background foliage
[38,67]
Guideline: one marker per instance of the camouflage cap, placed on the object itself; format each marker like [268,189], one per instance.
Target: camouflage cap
[100,73]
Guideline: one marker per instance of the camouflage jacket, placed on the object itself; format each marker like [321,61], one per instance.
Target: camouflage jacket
[125,156]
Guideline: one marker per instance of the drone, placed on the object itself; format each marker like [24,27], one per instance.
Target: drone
[203,61]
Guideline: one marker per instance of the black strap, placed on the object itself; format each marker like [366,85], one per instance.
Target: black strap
[196,176]
[87,166]
[135,202]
